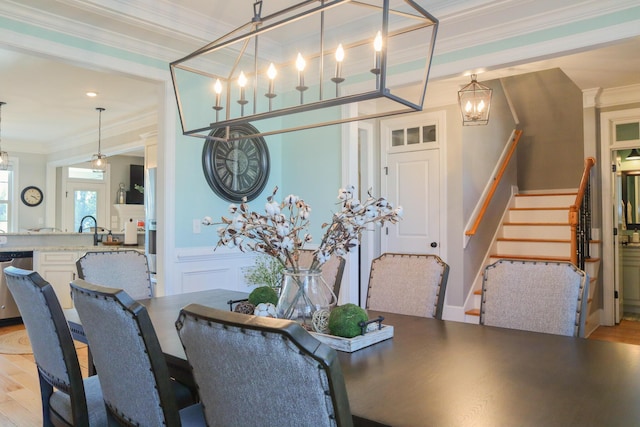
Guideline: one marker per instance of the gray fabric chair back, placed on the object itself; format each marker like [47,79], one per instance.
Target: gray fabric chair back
[412,284]
[127,355]
[121,269]
[538,296]
[332,270]
[257,371]
[55,354]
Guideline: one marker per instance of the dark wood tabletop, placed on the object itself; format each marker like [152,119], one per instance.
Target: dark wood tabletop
[442,373]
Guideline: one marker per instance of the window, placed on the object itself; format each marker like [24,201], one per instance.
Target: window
[6,184]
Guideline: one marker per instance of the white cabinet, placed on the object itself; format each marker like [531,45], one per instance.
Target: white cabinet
[59,269]
[631,278]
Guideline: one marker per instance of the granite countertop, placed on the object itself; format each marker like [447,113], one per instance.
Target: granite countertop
[79,248]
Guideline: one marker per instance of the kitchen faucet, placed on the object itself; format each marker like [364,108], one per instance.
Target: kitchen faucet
[95,228]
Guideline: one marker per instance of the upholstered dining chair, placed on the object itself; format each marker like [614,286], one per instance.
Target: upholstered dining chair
[332,270]
[538,296]
[122,269]
[261,371]
[412,284]
[135,381]
[67,399]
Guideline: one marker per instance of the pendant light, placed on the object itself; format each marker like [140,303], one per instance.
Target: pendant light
[4,156]
[99,161]
[633,155]
[475,103]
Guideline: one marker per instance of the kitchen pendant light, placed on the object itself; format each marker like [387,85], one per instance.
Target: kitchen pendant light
[99,161]
[4,156]
[633,155]
[315,63]
[475,103]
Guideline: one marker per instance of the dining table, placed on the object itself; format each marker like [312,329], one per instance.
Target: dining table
[446,373]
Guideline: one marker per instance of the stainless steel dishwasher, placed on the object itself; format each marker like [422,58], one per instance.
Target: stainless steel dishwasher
[22,259]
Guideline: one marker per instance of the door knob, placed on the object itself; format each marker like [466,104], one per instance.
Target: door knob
[434,245]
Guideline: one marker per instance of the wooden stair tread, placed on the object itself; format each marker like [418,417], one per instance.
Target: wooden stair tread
[546,194]
[511,239]
[549,208]
[536,223]
[473,312]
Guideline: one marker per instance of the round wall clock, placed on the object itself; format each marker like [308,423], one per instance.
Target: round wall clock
[238,168]
[31,196]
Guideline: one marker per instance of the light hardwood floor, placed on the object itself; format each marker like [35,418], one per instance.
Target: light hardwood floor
[19,387]
[20,390]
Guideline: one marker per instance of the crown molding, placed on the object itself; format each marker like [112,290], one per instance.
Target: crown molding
[619,96]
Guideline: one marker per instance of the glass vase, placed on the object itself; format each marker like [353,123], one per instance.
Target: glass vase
[303,293]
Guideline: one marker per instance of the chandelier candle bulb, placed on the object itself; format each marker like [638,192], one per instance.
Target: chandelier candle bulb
[377,51]
[339,59]
[271,73]
[242,82]
[217,88]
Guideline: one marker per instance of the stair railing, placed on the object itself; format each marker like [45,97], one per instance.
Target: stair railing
[496,181]
[580,218]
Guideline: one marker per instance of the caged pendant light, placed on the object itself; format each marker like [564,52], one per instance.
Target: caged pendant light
[99,161]
[315,63]
[475,103]
[4,156]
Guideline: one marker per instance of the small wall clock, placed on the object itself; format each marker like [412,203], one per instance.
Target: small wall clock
[238,168]
[31,196]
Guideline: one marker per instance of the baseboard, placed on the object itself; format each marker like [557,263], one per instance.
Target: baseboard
[593,321]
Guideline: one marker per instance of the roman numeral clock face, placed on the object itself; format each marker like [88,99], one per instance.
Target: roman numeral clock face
[236,168]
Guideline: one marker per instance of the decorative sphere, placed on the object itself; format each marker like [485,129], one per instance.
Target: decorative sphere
[265,309]
[344,319]
[263,294]
[245,307]
[320,320]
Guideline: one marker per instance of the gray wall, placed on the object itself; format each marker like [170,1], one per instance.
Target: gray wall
[482,147]
[551,151]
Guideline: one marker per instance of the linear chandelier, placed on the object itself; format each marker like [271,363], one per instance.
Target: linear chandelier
[316,63]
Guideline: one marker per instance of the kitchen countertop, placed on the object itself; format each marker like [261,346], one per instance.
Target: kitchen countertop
[80,248]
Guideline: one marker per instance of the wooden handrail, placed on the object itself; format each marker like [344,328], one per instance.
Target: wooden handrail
[575,208]
[496,182]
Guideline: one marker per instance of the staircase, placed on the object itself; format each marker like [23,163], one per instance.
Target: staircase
[536,226]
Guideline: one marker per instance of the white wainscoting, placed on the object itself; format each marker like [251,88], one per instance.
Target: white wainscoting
[198,269]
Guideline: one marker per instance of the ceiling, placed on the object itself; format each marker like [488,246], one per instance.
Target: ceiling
[47,108]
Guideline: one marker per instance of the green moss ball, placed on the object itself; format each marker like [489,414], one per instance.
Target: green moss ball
[344,319]
[263,294]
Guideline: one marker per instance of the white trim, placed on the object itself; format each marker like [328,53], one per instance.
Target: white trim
[607,145]
[619,96]
[349,289]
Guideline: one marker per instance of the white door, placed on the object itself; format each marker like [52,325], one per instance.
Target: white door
[411,179]
[86,192]
[619,213]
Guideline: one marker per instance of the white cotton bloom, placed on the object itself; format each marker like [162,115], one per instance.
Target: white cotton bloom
[371,212]
[343,194]
[323,257]
[399,211]
[233,208]
[287,243]
[272,208]
[353,204]
[282,229]
[305,212]
[357,220]
[290,200]
[238,222]
[207,220]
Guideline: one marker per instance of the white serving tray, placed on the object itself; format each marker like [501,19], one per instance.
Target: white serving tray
[350,345]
